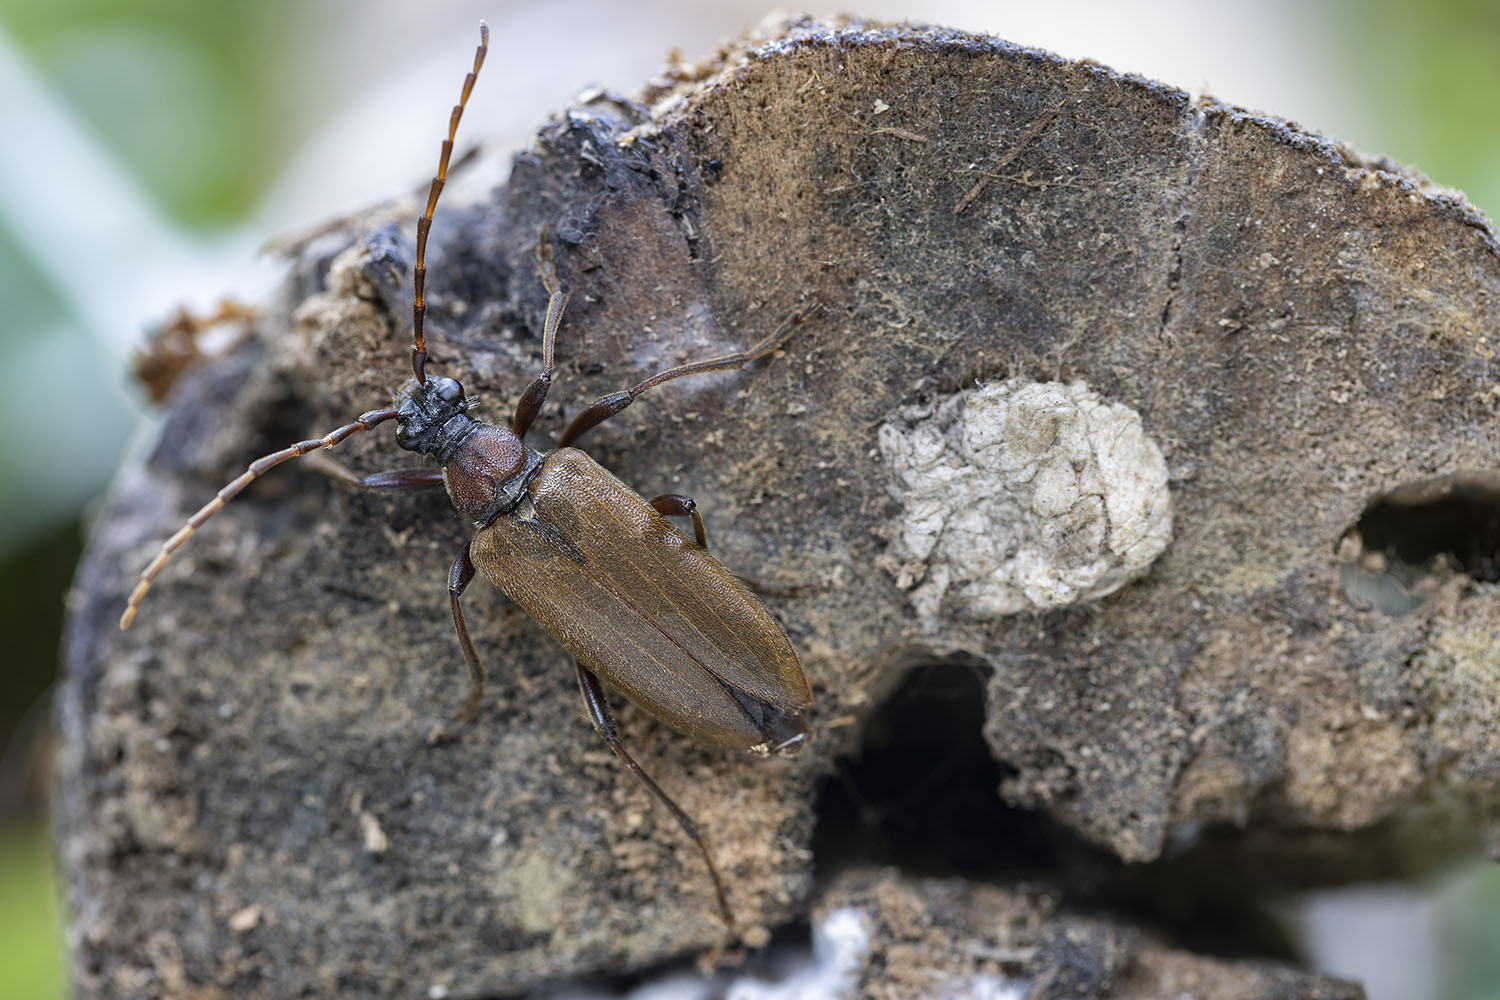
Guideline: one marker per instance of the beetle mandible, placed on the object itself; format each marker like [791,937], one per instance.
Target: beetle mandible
[629,596]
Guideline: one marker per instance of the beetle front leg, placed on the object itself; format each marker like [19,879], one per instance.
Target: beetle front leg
[593,697]
[459,578]
[404,480]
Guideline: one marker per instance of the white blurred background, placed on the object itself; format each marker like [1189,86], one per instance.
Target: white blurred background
[151,146]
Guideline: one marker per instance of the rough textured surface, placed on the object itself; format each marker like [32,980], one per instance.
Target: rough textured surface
[247,803]
[1023,496]
[950,939]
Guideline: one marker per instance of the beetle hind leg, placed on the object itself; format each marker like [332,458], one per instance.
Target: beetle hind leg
[593,697]
[459,578]
[677,505]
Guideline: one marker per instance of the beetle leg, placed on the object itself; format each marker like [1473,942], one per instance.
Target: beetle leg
[530,403]
[593,697]
[458,580]
[607,406]
[770,589]
[404,480]
[677,505]
[394,481]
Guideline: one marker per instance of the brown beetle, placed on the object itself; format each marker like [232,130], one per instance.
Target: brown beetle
[629,596]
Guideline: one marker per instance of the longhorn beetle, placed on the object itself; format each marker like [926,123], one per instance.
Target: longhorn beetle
[629,596]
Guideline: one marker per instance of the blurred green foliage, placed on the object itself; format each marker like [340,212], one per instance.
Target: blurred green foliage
[201,101]
[31,303]
[33,579]
[201,104]
[31,961]
[1469,932]
[1429,74]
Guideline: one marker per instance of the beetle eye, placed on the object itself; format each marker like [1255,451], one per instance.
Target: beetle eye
[448,390]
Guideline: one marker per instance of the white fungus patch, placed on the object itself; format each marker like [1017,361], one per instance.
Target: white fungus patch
[1023,495]
[985,987]
[828,971]
[840,946]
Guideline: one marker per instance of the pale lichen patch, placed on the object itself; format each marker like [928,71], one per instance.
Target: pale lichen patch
[1023,495]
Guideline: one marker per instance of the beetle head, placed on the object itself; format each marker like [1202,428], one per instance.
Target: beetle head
[424,412]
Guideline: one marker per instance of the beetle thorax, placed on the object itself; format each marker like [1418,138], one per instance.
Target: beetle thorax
[485,467]
[487,472]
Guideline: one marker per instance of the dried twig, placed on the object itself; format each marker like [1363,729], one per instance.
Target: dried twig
[989,175]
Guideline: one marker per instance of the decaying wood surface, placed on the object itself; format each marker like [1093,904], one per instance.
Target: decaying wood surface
[247,803]
[951,938]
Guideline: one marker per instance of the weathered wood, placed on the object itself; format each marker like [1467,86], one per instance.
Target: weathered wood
[246,799]
[946,937]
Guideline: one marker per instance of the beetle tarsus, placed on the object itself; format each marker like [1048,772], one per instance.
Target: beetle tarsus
[771,588]
[392,481]
[530,403]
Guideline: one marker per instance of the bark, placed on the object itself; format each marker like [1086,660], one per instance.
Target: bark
[247,802]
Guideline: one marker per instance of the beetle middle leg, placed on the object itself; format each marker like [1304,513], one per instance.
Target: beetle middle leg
[593,697]
[459,577]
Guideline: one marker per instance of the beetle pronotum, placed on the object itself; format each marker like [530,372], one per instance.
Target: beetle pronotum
[629,596]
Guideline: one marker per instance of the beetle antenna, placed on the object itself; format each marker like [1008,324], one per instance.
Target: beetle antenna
[256,469]
[419,275]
